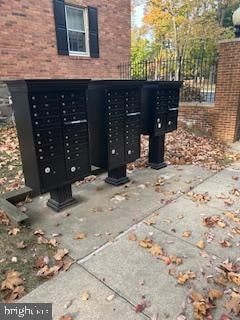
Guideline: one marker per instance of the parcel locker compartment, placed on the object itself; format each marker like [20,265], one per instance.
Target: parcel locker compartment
[116,155]
[132,152]
[78,169]
[46,122]
[172,119]
[52,172]
[159,124]
[42,113]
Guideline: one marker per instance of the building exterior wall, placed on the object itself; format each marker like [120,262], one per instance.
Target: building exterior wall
[28,46]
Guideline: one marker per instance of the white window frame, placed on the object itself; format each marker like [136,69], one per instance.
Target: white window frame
[86,30]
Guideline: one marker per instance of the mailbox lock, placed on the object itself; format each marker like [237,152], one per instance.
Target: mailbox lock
[113,151]
[169,123]
[47,170]
[73,169]
[159,125]
[158,120]
[34,106]
[33,98]
[129,152]
[35,114]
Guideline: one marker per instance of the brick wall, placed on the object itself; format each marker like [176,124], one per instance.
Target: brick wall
[28,41]
[228,91]
[198,115]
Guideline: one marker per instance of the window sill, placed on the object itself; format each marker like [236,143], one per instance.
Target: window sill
[79,57]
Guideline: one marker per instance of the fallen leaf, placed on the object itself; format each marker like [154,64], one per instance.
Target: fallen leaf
[85,296]
[60,254]
[13,279]
[184,277]
[201,245]
[18,292]
[150,222]
[156,250]
[215,294]
[234,303]
[53,242]
[146,243]
[111,297]
[39,232]
[13,232]
[225,243]
[21,245]
[187,234]
[80,236]
[132,237]
[68,304]
[141,307]
[66,317]
[234,277]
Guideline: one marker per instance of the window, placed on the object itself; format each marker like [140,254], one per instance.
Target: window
[77,30]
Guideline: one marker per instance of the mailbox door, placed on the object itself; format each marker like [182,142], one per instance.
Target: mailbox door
[75,132]
[48,140]
[172,118]
[132,146]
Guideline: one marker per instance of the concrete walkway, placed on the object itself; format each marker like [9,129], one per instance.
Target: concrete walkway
[155,204]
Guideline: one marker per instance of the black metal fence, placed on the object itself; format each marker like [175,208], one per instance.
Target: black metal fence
[198,74]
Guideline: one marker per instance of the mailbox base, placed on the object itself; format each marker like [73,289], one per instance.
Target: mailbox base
[156,152]
[117,177]
[158,166]
[61,198]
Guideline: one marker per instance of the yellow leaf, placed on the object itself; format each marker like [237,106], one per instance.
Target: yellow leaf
[146,243]
[12,280]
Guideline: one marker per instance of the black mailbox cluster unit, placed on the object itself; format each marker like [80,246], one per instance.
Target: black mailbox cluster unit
[65,126]
[52,124]
[160,102]
[115,126]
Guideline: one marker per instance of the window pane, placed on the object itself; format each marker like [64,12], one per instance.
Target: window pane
[77,41]
[75,19]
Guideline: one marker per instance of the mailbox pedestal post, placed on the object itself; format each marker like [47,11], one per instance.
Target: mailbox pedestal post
[61,198]
[156,152]
[118,176]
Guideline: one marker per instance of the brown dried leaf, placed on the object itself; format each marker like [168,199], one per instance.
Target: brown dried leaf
[18,292]
[234,277]
[13,232]
[156,250]
[13,279]
[21,245]
[80,236]
[215,294]
[186,234]
[53,242]
[60,254]
[146,243]
[225,243]
[39,232]
[66,317]
[184,277]
[132,237]
[234,303]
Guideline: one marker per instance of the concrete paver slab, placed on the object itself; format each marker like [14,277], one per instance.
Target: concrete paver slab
[101,215]
[186,215]
[70,286]
[125,266]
